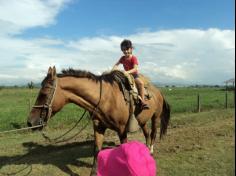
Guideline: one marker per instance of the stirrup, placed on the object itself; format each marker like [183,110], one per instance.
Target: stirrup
[144,106]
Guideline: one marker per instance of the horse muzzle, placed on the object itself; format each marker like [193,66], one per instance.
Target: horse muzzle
[37,125]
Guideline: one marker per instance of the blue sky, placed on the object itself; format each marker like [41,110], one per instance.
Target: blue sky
[109,17]
[176,41]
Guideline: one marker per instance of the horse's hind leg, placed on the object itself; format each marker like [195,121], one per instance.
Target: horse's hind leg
[155,120]
[146,134]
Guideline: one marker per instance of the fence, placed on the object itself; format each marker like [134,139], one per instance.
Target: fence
[14,104]
[198,99]
[226,102]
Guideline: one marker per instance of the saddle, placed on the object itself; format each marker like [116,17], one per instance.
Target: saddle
[128,87]
[130,92]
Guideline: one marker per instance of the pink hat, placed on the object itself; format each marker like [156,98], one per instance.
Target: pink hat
[129,159]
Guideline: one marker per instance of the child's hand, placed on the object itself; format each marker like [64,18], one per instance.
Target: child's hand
[126,73]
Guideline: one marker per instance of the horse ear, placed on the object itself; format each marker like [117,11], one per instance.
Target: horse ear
[54,72]
[49,70]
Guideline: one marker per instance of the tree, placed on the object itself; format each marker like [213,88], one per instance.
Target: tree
[30,85]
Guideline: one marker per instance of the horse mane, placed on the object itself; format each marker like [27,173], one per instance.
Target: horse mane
[78,74]
[106,76]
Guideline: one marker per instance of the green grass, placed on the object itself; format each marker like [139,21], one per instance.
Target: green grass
[199,144]
[15,105]
[185,99]
[196,144]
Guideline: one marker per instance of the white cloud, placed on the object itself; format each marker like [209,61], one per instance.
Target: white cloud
[184,56]
[178,55]
[16,16]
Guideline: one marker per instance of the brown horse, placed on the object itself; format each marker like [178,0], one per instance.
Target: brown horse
[103,98]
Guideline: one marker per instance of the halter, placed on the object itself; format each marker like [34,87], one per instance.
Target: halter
[47,107]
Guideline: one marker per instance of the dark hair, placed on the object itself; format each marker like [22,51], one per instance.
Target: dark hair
[126,44]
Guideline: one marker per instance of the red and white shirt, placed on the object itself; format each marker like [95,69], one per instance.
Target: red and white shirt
[128,63]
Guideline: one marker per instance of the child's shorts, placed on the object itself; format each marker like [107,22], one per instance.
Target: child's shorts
[135,75]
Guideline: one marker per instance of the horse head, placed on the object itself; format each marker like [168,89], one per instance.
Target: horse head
[42,110]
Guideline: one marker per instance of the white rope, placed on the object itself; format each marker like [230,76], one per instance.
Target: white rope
[21,129]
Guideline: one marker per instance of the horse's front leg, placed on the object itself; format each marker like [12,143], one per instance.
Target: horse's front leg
[123,138]
[123,135]
[99,131]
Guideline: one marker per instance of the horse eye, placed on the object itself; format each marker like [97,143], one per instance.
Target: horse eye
[43,92]
[41,98]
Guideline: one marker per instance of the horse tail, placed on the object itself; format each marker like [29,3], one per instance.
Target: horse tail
[165,118]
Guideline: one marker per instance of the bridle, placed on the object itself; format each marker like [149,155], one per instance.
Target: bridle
[46,108]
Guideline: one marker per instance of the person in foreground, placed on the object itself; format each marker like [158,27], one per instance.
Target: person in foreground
[130,64]
[128,159]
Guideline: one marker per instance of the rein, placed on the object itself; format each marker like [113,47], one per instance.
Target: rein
[45,107]
[48,106]
[55,140]
[100,96]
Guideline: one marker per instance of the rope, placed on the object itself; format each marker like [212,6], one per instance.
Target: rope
[55,139]
[21,129]
[63,140]
[46,137]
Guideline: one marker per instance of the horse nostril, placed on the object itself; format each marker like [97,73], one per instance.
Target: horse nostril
[29,124]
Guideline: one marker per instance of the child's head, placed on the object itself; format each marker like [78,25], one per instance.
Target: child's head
[125,44]
[126,47]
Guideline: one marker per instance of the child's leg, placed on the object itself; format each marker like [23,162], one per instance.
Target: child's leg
[140,86]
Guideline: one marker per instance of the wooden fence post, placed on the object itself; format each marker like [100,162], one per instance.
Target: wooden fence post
[29,105]
[198,103]
[226,99]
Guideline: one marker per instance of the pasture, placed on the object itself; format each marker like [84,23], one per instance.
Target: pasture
[196,143]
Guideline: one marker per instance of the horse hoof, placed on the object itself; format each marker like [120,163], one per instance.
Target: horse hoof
[93,174]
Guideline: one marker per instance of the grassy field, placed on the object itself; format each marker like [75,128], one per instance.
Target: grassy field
[185,99]
[196,143]
[199,144]
[15,104]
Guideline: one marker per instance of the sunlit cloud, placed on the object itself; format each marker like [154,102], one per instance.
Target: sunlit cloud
[187,56]
[16,16]
[167,56]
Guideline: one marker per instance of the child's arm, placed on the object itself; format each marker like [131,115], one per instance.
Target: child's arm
[133,69]
[115,67]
